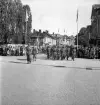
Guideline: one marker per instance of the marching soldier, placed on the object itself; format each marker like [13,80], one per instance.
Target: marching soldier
[34,52]
[73,54]
[64,53]
[48,53]
[61,53]
[58,53]
[67,52]
[54,53]
[28,53]
[51,51]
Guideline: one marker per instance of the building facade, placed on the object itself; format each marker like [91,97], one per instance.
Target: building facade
[95,23]
[68,40]
[49,40]
[39,38]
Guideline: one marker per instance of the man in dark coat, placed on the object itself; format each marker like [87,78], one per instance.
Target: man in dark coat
[28,53]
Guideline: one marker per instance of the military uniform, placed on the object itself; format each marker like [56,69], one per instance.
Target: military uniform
[67,52]
[64,53]
[48,52]
[28,54]
[61,53]
[73,53]
[34,52]
[54,53]
[57,53]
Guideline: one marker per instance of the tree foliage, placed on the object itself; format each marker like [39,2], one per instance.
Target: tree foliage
[12,21]
[83,36]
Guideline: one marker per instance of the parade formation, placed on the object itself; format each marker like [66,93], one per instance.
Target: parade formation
[61,52]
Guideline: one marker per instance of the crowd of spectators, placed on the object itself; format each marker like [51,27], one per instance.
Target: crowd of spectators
[92,52]
[12,50]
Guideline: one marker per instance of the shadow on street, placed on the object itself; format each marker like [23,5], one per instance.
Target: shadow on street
[17,62]
[59,66]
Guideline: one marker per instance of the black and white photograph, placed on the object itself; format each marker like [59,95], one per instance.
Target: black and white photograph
[49,52]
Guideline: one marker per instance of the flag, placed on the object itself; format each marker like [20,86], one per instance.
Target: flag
[58,30]
[64,30]
[26,16]
[77,16]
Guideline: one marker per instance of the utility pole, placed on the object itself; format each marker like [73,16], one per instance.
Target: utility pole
[26,28]
[77,28]
[26,34]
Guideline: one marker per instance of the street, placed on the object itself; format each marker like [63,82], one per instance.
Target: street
[48,82]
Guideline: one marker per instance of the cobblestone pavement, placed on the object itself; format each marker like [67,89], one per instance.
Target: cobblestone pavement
[47,82]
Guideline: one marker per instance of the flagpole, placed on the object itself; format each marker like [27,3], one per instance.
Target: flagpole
[26,28]
[26,34]
[77,29]
[77,35]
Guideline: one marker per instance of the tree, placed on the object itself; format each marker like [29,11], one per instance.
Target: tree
[26,8]
[82,37]
[12,21]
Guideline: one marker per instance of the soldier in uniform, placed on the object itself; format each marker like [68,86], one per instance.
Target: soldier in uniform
[61,53]
[34,52]
[73,54]
[51,52]
[47,51]
[4,51]
[67,52]
[28,53]
[54,52]
[57,51]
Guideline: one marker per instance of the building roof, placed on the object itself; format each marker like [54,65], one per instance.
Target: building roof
[95,7]
[68,37]
[65,36]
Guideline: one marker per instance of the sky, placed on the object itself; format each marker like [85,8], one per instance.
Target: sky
[54,15]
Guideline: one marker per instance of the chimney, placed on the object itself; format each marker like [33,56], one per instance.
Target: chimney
[33,30]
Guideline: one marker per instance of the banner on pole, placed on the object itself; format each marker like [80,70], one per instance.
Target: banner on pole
[58,30]
[77,16]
